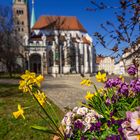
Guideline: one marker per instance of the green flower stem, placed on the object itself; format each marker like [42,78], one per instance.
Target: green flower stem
[46,121]
[53,122]
[95,88]
[61,135]
[132,104]
[53,111]
[103,105]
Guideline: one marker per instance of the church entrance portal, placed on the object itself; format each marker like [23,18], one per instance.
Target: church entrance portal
[35,63]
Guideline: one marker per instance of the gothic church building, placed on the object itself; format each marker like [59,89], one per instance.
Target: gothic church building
[53,44]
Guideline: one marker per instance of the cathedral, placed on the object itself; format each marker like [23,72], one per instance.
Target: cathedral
[53,44]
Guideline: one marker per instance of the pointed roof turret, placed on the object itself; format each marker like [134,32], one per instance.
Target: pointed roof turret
[33,19]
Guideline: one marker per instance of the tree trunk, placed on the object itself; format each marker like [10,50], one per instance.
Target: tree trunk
[9,69]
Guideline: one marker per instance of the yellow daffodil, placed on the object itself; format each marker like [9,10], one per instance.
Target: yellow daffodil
[38,80]
[29,79]
[28,75]
[101,77]
[86,82]
[19,113]
[122,78]
[41,97]
[100,90]
[89,96]
[25,86]
[95,93]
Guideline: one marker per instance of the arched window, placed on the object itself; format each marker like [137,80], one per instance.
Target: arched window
[57,55]
[17,11]
[50,58]
[22,12]
[72,56]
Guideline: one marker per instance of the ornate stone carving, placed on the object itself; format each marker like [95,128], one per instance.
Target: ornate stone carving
[44,40]
[26,38]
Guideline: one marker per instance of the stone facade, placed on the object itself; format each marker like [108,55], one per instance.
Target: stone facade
[55,44]
[105,63]
[53,57]
[127,59]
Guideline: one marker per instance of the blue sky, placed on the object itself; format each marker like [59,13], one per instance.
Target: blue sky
[90,20]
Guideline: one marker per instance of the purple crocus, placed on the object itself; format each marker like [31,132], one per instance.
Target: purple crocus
[109,83]
[78,124]
[135,85]
[132,70]
[112,82]
[124,89]
[93,127]
[98,124]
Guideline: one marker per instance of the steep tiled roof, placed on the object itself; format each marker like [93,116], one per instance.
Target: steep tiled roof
[59,22]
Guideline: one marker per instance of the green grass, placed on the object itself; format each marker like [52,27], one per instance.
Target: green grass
[6,76]
[12,129]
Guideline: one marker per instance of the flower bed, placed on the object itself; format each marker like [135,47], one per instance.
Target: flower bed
[115,111]
[110,113]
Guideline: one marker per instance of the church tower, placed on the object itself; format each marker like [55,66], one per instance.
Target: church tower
[21,17]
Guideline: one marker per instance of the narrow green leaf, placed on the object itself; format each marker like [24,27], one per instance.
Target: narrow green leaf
[44,129]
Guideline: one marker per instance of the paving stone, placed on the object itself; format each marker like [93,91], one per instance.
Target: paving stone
[66,92]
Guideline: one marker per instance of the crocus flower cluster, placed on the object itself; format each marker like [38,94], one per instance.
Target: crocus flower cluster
[106,126]
[80,118]
[132,69]
[122,87]
[113,82]
[112,102]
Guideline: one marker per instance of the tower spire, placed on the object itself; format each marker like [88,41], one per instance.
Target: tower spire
[33,19]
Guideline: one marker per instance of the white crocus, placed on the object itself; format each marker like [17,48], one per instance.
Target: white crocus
[68,130]
[75,109]
[67,120]
[82,111]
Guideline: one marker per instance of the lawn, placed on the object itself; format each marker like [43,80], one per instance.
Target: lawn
[12,129]
[4,75]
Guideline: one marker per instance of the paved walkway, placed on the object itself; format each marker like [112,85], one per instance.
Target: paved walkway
[66,92]
[9,81]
